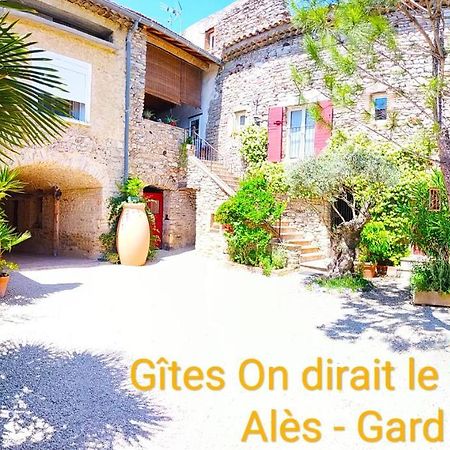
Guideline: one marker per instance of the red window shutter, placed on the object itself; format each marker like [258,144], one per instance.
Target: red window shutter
[276,116]
[323,130]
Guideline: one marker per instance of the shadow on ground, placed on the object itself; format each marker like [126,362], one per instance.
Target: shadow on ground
[24,291]
[387,313]
[53,401]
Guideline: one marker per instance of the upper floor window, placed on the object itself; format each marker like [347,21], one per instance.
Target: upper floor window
[240,120]
[380,104]
[210,39]
[301,132]
[76,75]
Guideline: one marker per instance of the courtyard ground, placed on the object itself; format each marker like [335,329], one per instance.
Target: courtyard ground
[70,331]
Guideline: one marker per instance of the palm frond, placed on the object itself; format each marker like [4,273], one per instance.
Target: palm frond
[29,113]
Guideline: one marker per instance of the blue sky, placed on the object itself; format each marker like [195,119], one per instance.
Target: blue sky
[192,10]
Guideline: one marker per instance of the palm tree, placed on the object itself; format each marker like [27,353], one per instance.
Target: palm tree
[9,237]
[29,113]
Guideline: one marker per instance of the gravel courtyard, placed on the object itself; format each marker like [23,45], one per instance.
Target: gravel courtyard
[70,330]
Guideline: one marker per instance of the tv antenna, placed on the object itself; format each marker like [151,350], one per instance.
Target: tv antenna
[175,14]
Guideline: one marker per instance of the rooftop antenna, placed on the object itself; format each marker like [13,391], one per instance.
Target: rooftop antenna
[175,15]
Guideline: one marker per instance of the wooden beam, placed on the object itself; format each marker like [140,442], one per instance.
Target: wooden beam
[176,51]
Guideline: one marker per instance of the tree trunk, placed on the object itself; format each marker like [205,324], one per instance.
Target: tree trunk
[344,241]
[444,157]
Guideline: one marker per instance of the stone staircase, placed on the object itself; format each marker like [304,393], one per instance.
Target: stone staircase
[294,241]
[224,174]
[291,239]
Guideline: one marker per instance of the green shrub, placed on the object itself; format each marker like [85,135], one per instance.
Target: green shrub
[413,163]
[254,143]
[351,282]
[253,203]
[433,275]
[248,216]
[279,257]
[430,229]
[274,174]
[183,153]
[375,243]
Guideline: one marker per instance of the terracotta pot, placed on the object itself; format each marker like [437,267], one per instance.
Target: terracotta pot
[369,271]
[4,280]
[133,235]
[382,270]
[431,298]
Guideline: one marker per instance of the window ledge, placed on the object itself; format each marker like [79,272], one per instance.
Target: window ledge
[77,122]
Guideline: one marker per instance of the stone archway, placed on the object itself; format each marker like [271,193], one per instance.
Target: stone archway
[63,204]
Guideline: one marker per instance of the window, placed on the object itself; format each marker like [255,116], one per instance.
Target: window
[301,134]
[240,120]
[434,200]
[76,75]
[380,103]
[210,39]
[78,111]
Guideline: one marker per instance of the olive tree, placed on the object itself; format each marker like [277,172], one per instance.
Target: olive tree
[350,42]
[353,171]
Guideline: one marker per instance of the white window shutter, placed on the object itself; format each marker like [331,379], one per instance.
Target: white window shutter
[75,74]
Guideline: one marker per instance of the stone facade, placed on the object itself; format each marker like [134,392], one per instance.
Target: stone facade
[209,235]
[154,157]
[259,46]
[87,162]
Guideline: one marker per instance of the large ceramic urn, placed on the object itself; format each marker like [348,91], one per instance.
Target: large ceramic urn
[133,235]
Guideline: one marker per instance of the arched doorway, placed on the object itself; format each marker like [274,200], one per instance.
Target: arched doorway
[62,207]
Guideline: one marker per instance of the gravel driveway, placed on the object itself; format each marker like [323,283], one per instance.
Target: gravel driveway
[69,333]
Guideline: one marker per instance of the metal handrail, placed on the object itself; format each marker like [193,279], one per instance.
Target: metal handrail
[203,150]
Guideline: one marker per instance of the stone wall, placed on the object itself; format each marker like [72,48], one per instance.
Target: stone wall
[209,196]
[312,222]
[93,150]
[257,75]
[154,157]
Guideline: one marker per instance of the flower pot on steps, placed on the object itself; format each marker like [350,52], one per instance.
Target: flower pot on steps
[4,280]
[133,235]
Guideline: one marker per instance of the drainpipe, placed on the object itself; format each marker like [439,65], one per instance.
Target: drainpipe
[126,138]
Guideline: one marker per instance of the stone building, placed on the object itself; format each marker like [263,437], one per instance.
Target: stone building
[258,45]
[138,90]
[68,182]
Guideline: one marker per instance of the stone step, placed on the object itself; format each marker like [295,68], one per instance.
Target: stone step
[301,242]
[292,236]
[288,229]
[307,249]
[312,257]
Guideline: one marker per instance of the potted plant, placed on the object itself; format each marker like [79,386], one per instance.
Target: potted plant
[9,237]
[6,267]
[170,120]
[133,228]
[375,249]
[430,282]
[148,114]
[429,227]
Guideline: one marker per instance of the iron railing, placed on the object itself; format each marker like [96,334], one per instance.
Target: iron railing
[203,150]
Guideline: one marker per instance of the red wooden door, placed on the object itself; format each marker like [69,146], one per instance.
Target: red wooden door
[155,204]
